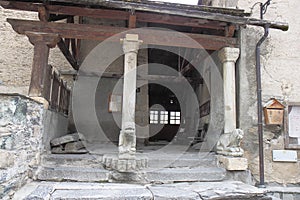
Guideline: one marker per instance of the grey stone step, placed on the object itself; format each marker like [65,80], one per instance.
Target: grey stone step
[78,174]
[72,160]
[228,190]
[107,194]
[202,174]
[182,162]
[158,161]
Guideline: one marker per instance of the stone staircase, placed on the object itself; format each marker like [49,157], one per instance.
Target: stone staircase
[168,176]
[167,169]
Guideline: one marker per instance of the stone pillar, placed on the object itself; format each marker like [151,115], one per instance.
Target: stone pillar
[127,139]
[42,43]
[228,57]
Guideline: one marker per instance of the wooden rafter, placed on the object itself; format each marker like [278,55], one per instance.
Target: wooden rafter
[149,36]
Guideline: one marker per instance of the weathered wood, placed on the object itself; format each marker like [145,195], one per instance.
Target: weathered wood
[64,49]
[47,83]
[122,15]
[55,94]
[42,43]
[233,16]
[149,36]
[229,31]
[132,21]
[43,13]
[179,21]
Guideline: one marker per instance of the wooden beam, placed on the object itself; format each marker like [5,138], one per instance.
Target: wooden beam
[163,78]
[179,21]
[64,49]
[132,21]
[149,36]
[43,13]
[229,31]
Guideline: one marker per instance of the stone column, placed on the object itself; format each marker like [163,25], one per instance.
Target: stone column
[127,139]
[42,43]
[228,57]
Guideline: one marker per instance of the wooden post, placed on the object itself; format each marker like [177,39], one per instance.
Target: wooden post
[42,43]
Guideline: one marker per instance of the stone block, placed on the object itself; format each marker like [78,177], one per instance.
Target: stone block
[169,175]
[288,197]
[7,159]
[79,174]
[66,139]
[73,146]
[162,192]
[233,163]
[41,192]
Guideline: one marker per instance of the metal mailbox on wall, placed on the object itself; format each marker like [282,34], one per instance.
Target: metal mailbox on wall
[274,112]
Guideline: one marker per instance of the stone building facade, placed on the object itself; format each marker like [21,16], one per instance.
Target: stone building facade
[279,80]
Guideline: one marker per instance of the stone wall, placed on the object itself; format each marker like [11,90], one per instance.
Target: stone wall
[21,130]
[280,68]
[17,55]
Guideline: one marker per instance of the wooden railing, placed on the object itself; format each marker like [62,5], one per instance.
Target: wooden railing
[55,91]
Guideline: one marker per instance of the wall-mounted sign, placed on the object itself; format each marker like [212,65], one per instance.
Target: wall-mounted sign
[292,126]
[284,156]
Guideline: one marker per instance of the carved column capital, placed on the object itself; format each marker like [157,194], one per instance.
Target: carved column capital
[229,54]
[131,43]
[43,38]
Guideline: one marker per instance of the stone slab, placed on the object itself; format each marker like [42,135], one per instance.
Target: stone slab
[40,193]
[162,193]
[186,174]
[66,139]
[61,150]
[105,193]
[227,190]
[74,146]
[73,174]
[233,163]
[72,160]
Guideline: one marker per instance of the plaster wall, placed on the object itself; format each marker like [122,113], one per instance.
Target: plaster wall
[16,55]
[280,69]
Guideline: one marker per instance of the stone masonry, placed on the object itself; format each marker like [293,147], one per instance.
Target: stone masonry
[20,141]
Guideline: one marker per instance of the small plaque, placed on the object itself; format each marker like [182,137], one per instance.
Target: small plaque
[284,156]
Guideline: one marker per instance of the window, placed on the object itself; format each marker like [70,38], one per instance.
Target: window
[153,117]
[164,117]
[174,117]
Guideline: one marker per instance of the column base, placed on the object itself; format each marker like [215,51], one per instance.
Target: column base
[113,162]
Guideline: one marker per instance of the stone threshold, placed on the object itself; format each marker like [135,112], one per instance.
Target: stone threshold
[196,190]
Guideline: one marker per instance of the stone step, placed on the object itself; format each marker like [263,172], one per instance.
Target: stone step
[161,161]
[182,162]
[78,174]
[72,160]
[169,175]
[228,190]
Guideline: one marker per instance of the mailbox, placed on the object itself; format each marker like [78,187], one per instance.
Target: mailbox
[274,112]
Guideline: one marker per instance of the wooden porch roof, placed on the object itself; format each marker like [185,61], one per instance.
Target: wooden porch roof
[161,9]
